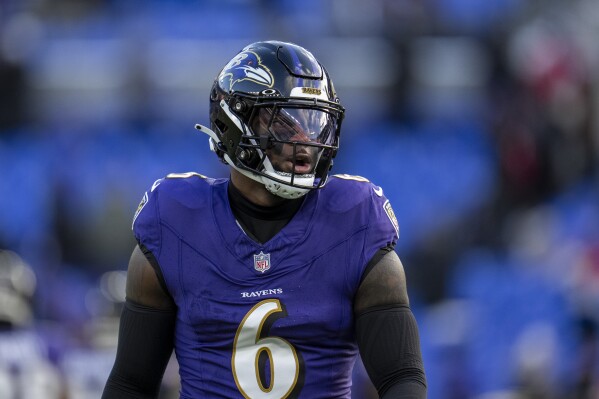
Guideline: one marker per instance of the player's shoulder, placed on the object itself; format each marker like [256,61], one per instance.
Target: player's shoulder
[345,191]
[190,189]
[357,186]
[176,184]
[358,194]
[174,195]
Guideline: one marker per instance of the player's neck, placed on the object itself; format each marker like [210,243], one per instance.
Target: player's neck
[253,191]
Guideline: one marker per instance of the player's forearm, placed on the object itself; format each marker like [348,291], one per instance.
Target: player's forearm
[144,348]
[117,389]
[390,348]
[406,390]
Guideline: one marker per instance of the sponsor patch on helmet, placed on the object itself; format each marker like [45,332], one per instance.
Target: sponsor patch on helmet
[246,65]
[141,205]
[262,262]
[309,92]
[312,90]
[391,216]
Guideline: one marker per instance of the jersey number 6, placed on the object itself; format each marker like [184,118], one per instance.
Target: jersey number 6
[251,348]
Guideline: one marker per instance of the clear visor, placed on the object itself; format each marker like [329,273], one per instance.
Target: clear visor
[300,125]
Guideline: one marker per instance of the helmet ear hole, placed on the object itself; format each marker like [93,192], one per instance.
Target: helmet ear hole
[239,106]
[220,125]
[248,156]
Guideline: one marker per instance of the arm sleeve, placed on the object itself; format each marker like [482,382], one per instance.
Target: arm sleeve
[390,349]
[145,345]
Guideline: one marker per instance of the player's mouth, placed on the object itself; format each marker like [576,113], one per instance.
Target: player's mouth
[303,164]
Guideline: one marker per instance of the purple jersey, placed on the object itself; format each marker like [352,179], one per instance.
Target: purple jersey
[270,320]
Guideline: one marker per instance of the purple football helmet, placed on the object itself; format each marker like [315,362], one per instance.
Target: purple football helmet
[276,118]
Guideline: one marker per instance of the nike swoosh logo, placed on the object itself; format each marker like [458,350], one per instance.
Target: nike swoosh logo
[156,184]
[378,191]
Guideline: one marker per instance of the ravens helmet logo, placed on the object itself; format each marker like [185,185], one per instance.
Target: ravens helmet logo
[246,65]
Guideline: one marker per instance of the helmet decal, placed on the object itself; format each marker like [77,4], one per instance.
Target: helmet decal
[246,65]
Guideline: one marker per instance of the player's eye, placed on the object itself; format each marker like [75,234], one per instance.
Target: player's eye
[284,132]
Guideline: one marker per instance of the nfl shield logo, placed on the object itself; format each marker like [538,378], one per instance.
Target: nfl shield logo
[262,262]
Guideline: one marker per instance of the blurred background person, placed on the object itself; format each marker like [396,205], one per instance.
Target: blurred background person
[26,367]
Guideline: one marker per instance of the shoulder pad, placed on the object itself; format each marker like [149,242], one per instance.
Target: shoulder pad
[344,192]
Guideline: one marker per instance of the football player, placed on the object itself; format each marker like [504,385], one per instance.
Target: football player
[26,370]
[268,283]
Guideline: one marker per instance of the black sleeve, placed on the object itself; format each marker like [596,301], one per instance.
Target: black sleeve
[145,345]
[390,349]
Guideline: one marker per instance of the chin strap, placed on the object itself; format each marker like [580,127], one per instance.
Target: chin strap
[283,190]
[279,189]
